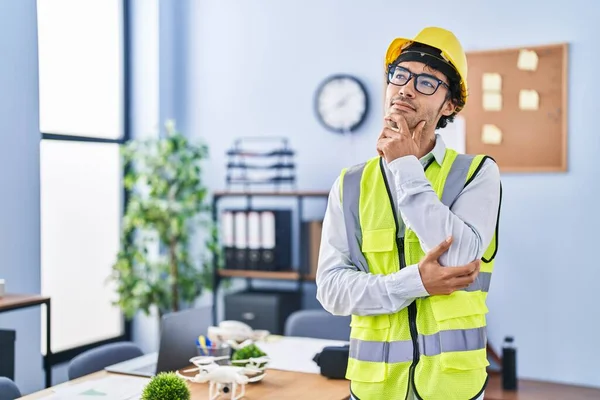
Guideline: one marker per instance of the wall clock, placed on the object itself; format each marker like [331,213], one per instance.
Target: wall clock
[341,103]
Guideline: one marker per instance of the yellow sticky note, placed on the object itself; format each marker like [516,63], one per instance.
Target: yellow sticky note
[528,60]
[491,134]
[491,82]
[529,100]
[492,101]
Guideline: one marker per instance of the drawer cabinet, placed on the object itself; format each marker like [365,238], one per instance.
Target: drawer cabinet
[262,309]
[7,354]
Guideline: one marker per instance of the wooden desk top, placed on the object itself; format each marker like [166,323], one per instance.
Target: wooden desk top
[15,301]
[276,385]
[279,384]
[537,390]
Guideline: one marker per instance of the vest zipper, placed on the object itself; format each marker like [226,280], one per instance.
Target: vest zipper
[412,308]
[412,323]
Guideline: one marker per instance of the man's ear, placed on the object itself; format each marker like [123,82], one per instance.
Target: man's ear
[448,108]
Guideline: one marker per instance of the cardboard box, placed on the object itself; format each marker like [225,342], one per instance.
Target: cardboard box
[311,243]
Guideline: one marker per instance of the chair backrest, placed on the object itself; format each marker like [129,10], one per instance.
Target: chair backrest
[317,324]
[8,389]
[178,334]
[101,357]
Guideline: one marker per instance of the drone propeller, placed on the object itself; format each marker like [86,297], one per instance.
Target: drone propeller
[256,378]
[206,360]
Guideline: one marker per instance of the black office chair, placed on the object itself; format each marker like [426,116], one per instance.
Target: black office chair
[8,389]
[101,357]
[317,324]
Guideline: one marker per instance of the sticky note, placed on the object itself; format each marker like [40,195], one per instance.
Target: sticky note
[491,134]
[491,82]
[492,101]
[529,100]
[528,60]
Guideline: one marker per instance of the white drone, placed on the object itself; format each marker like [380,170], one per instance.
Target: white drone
[226,378]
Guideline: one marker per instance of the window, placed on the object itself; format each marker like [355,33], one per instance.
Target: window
[83,114]
[81,67]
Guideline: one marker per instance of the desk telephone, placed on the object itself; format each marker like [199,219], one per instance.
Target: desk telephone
[235,332]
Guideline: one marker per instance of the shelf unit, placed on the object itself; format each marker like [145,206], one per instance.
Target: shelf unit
[276,160]
[299,274]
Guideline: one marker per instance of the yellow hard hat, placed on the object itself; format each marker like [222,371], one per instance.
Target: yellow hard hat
[441,39]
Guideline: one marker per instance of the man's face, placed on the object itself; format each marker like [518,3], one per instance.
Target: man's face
[416,106]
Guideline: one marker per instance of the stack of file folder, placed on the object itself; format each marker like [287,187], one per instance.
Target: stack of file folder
[257,239]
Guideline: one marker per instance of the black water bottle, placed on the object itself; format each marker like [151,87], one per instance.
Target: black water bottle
[509,364]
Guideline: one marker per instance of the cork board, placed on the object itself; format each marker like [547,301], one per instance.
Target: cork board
[533,139]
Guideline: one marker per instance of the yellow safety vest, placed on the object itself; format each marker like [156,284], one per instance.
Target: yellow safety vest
[438,343]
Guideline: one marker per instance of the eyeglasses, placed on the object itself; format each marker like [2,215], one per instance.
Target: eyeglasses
[424,83]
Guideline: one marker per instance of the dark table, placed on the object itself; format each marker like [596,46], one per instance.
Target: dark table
[11,302]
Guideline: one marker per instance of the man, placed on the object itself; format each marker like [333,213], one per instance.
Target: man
[409,238]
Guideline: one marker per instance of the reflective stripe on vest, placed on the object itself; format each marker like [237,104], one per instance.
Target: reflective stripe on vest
[350,199]
[455,183]
[429,345]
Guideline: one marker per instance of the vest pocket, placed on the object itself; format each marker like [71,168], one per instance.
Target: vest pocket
[458,304]
[464,360]
[368,352]
[461,321]
[364,371]
[370,321]
[378,240]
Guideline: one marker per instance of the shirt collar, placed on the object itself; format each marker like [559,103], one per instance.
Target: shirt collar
[438,152]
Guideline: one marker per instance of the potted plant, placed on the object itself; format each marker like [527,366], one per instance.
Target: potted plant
[166,386]
[167,202]
[250,355]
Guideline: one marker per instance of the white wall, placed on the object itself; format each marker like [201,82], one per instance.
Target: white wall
[545,280]
[20,182]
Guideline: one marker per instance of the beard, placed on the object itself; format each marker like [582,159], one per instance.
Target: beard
[419,113]
[413,118]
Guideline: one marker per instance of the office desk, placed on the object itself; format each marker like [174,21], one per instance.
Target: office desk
[10,302]
[290,385]
[275,385]
[292,374]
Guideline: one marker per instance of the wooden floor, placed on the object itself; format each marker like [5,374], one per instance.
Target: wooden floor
[535,390]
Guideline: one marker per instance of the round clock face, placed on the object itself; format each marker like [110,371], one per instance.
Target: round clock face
[341,103]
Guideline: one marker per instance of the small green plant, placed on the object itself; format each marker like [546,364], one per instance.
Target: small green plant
[250,351]
[166,386]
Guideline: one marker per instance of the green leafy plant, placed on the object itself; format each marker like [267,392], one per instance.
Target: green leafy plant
[168,201]
[250,351]
[166,386]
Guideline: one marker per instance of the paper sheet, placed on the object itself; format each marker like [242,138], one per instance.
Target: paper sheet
[295,353]
[528,60]
[455,134]
[491,82]
[112,387]
[491,134]
[529,100]
[492,101]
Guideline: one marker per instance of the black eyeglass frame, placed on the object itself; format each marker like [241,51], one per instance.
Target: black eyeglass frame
[411,75]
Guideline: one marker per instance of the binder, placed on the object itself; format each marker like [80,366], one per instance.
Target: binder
[254,240]
[267,245]
[257,239]
[241,242]
[228,235]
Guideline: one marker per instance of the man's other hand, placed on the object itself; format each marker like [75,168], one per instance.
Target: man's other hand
[445,280]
